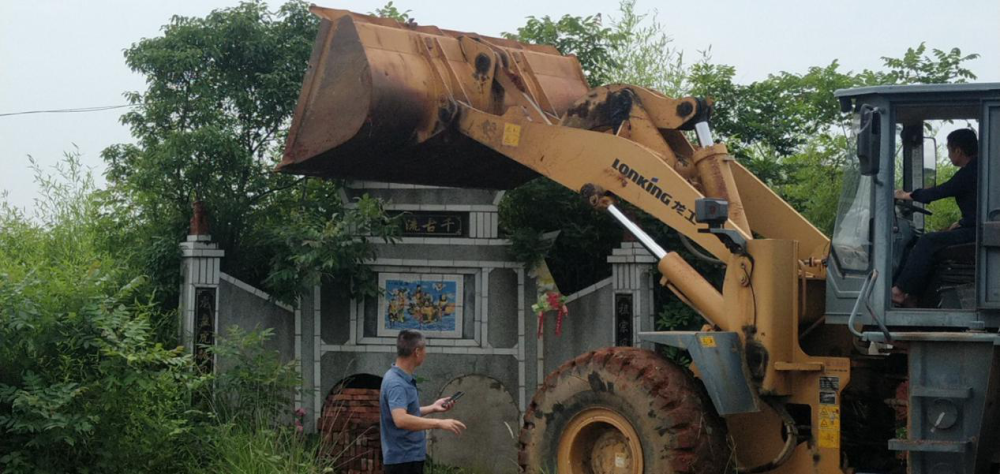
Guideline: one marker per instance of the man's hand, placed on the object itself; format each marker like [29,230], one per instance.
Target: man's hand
[954,226]
[454,426]
[442,405]
[902,195]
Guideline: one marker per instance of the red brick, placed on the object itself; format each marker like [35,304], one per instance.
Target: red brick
[350,424]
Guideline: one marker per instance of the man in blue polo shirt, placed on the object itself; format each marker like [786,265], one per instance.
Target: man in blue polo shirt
[404,446]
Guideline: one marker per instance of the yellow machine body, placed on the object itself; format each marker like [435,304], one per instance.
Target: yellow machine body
[389,101]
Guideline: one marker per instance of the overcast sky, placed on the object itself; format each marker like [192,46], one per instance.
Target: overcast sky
[68,54]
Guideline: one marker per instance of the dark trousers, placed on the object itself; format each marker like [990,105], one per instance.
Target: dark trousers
[415,467]
[917,271]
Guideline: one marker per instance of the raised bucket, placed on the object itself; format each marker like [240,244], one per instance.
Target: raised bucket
[379,98]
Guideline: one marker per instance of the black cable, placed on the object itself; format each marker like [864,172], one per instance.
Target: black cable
[67,111]
[753,293]
[697,253]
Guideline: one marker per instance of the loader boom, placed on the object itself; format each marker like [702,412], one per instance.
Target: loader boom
[418,90]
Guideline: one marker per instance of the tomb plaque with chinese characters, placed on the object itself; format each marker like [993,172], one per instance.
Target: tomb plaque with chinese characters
[204,328]
[623,320]
[434,224]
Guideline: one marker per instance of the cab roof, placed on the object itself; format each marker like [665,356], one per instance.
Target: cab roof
[919,102]
[984,88]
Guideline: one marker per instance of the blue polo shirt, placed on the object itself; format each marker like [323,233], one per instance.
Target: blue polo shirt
[399,390]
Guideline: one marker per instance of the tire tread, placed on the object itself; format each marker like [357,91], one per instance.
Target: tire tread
[698,441]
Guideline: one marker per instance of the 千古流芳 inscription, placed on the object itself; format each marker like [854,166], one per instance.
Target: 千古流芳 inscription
[434,224]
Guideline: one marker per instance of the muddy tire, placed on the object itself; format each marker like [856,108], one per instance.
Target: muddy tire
[622,410]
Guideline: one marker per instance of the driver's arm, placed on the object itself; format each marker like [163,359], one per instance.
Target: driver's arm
[902,195]
[964,178]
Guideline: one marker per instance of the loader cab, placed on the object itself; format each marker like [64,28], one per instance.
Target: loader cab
[897,141]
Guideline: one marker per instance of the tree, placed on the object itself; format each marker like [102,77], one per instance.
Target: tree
[587,38]
[636,51]
[390,11]
[642,54]
[915,67]
[543,205]
[210,126]
[789,130]
[775,115]
[779,114]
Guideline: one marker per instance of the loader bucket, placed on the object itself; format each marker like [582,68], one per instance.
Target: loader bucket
[379,98]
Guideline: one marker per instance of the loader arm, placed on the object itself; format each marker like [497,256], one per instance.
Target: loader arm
[576,158]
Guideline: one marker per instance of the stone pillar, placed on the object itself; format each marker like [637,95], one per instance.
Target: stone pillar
[199,292]
[632,268]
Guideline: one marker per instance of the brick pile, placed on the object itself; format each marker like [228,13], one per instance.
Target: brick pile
[350,427]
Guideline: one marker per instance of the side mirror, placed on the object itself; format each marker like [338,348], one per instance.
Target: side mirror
[869,143]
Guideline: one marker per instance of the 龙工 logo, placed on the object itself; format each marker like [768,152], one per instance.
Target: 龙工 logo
[652,186]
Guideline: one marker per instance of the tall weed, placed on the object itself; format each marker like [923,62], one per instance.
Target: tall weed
[250,448]
[89,383]
[83,386]
[252,383]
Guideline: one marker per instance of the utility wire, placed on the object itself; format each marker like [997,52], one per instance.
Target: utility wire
[66,111]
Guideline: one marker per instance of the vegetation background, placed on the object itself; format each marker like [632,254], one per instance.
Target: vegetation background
[91,379]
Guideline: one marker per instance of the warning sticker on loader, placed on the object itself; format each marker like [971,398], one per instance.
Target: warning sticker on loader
[828,398]
[829,383]
[707,341]
[829,426]
[828,387]
[511,134]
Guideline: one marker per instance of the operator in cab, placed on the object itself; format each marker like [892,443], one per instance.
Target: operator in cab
[963,149]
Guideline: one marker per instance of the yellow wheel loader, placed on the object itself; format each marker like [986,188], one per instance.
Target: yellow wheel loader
[803,365]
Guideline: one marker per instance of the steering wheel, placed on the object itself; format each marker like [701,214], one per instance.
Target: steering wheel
[907,206]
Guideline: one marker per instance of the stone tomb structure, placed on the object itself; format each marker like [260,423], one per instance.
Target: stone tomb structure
[451,276]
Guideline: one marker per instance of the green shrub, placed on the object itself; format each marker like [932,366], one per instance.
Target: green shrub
[252,384]
[83,385]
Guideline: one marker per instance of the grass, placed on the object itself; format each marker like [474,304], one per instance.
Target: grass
[251,450]
[432,468]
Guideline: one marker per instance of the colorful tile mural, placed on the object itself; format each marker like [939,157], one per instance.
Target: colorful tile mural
[431,304]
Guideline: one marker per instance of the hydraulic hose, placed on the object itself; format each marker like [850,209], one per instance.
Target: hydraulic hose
[686,242]
[791,440]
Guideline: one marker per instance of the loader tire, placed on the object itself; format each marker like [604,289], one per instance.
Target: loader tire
[622,410]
